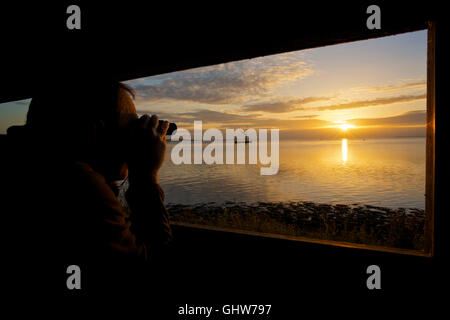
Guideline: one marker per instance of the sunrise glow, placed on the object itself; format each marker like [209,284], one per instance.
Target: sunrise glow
[345,127]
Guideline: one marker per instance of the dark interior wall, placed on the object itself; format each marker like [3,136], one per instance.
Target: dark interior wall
[140,40]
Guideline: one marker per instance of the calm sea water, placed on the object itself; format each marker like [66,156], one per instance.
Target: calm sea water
[388,172]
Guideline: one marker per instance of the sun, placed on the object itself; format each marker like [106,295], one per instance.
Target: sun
[345,127]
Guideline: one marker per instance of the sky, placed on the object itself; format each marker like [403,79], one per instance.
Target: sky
[371,88]
[13,113]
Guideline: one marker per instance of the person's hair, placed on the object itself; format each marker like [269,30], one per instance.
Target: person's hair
[127,89]
[75,104]
[68,113]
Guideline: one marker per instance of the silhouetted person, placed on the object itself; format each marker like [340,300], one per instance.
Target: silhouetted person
[62,206]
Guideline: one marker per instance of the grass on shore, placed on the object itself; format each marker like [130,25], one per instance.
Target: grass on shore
[361,224]
[357,225]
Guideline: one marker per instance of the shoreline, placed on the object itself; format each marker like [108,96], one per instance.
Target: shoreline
[364,224]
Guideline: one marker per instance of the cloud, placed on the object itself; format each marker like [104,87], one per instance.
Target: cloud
[216,116]
[374,102]
[235,82]
[285,106]
[308,116]
[414,84]
[410,123]
[207,116]
[282,106]
[411,118]
[231,120]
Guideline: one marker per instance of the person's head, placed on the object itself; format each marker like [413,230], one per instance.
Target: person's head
[86,121]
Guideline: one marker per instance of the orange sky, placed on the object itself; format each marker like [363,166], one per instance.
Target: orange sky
[377,87]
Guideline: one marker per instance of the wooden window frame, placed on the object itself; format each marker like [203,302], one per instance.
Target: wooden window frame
[430,219]
[429,236]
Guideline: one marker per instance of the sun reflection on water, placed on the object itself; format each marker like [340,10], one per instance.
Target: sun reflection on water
[344,150]
[383,172]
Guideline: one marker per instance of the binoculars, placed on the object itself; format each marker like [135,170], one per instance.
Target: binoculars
[171,129]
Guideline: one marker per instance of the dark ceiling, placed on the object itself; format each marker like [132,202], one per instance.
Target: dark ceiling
[131,40]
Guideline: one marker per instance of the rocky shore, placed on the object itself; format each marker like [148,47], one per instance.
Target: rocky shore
[365,224]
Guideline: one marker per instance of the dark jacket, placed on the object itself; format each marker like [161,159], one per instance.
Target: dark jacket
[60,212]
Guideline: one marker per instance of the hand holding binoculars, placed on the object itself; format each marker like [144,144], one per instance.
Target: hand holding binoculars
[171,129]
